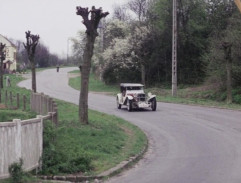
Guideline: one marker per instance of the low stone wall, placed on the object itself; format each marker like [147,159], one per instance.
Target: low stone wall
[21,139]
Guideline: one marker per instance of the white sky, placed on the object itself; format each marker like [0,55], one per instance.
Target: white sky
[53,20]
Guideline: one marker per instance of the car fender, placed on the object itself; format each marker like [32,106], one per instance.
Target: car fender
[151,97]
[119,96]
[128,97]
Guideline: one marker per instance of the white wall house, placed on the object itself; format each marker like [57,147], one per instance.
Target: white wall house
[10,63]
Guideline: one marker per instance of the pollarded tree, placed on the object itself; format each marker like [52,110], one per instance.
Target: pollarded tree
[91,32]
[2,57]
[30,46]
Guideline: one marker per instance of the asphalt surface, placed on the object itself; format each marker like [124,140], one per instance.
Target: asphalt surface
[187,144]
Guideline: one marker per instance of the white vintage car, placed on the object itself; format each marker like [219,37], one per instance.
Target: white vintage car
[133,96]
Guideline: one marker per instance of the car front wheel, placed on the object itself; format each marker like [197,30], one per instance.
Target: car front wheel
[129,105]
[118,104]
[153,104]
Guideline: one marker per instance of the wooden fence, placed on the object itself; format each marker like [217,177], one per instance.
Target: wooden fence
[13,101]
[43,104]
[39,103]
[21,139]
[24,139]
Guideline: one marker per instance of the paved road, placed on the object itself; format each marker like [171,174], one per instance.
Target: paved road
[188,144]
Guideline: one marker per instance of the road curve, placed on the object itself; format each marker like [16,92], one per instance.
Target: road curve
[188,144]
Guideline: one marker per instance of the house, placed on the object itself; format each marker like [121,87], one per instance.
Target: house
[10,63]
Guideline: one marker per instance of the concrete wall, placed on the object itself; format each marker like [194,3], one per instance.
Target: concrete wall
[21,139]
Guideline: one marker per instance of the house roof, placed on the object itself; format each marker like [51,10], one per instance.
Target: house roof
[13,45]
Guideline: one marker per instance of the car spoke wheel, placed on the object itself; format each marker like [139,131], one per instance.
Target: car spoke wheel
[153,104]
[118,104]
[129,105]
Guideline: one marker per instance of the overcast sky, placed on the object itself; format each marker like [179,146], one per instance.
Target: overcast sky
[53,20]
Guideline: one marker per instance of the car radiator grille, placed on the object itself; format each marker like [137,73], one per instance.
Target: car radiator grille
[141,97]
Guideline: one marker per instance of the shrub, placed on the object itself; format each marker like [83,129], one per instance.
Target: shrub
[16,171]
[55,160]
[237,99]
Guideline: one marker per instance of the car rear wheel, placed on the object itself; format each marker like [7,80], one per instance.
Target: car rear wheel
[129,105]
[118,104]
[153,104]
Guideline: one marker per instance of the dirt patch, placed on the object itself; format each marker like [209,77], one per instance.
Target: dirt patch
[127,130]
[73,75]
[102,93]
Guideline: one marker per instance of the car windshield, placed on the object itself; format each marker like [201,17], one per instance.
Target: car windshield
[134,88]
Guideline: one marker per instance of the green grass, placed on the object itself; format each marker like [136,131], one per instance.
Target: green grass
[9,115]
[106,141]
[27,178]
[207,98]
[95,85]
[15,89]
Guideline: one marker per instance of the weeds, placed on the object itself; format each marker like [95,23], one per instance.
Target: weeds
[16,172]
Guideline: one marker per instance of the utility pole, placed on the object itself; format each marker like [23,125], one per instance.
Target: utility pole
[174,49]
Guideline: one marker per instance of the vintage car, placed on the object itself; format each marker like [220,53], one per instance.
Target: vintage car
[133,96]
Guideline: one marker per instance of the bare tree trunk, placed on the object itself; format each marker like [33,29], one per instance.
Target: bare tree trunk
[143,74]
[91,33]
[85,71]
[30,46]
[34,88]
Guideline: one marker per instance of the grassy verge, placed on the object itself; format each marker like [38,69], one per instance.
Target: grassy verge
[194,96]
[95,85]
[85,149]
[8,115]
[191,95]
[107,140]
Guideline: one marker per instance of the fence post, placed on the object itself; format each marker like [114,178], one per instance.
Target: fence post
[18,101]
[41,104]
[47,103]
[6,98]
[18,138]
[38,103]
[24,102]
[55,117]
[43,101]
[11,99]
[41,141]
[50,105]
[31,101]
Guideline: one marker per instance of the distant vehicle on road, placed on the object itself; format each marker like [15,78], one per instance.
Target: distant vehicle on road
[133,96]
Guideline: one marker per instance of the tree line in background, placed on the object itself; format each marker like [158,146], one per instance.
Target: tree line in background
[138,48]
[43,57]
